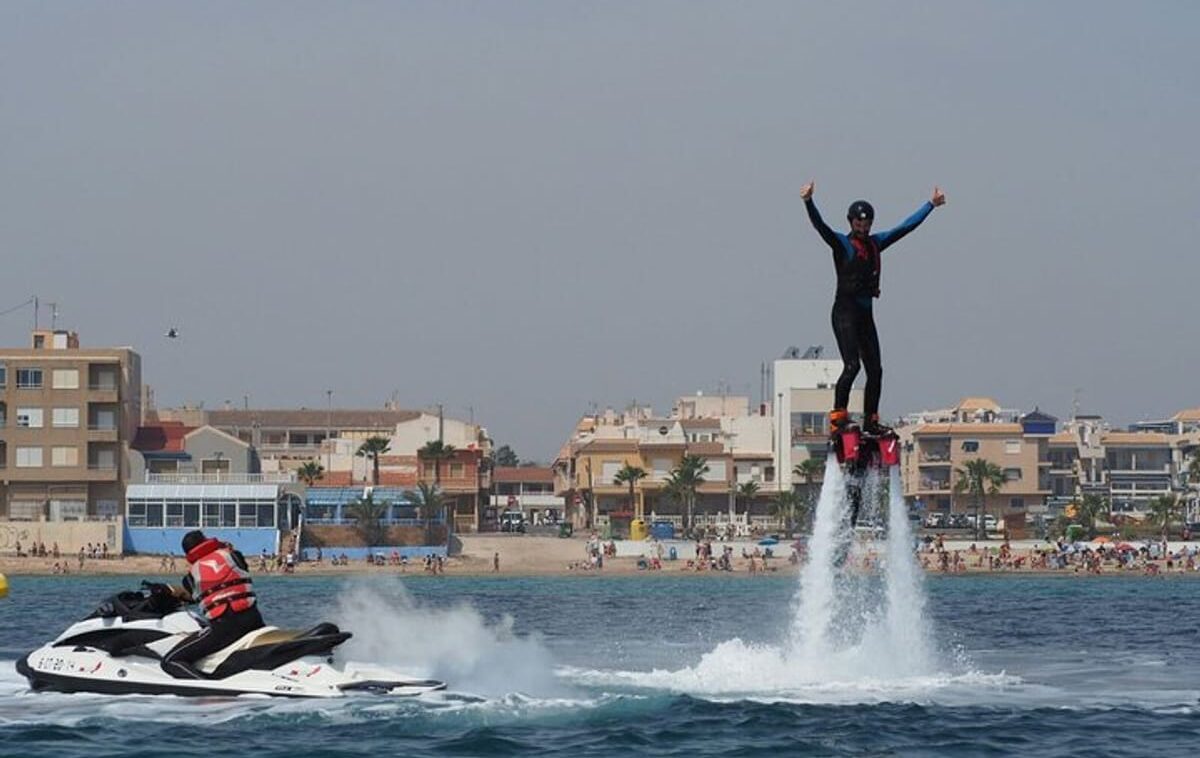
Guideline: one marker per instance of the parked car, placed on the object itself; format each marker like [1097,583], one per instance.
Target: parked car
[512,521]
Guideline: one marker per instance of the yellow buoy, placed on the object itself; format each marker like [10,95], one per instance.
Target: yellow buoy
[3,586]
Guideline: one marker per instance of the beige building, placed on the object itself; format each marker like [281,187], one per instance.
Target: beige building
[937,445]
[67,417]
[736,445]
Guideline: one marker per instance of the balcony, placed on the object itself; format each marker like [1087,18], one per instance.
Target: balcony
[102,433]
[934,459]
[934,485]
[278,477]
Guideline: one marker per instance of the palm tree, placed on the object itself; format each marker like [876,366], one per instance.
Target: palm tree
[790,508]
[978,477]
[1091,511]
[368,516]
[746,493]
[436,451]
[1162,512]
[631,475]
[310,472]
[373,447]
[809,470]
[684,480]
[429,502]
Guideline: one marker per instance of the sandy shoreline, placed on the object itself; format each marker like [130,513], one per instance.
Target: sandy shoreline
[525,556]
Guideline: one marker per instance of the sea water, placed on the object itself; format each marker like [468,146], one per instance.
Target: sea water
[841,660]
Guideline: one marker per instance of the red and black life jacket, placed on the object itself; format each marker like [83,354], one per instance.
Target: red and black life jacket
[859,275]
[220,582]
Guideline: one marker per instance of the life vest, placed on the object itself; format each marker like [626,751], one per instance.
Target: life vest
[220,582]
[858,276]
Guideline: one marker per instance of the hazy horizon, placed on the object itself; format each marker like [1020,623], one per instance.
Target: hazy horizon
[528,208]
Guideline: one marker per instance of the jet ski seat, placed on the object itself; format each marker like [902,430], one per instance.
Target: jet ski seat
[269,647]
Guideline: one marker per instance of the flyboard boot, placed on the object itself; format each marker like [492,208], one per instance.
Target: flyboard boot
[873,446]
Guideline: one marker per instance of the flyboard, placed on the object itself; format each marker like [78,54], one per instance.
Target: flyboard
[859,452]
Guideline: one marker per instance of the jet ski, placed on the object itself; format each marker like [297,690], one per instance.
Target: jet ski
[859,452]
[117,650]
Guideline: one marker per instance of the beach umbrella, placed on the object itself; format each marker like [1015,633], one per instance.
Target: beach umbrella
[768,541]
[1125,546]
[1102,540]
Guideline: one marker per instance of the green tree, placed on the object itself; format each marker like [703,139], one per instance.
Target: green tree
[504,456]
[810,471]
[436,451]
[684,480]
[746,493]
[1163,510]
[978,477]
[430,504]
[631,475]
[791,508]
[310,472]
[1091,511]
[373,447]
[368,518]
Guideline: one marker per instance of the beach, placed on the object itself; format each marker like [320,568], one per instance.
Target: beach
[523,555]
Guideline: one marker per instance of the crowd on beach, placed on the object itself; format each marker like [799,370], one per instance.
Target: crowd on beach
[62,562]
[1096,557]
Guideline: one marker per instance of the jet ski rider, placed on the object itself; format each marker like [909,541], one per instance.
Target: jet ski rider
[856,257]
[218,579]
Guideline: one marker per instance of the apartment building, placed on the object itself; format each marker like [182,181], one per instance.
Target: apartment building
[937,444]
[1128,467]
[67,416]
[286,439]
[803,396]
[736,446]
[529,489]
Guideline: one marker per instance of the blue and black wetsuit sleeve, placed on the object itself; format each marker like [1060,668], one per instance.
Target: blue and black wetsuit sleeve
[891,236]
[830,236]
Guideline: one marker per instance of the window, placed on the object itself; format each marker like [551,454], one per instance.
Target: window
[608,471]
[29,457]
[1012,447]
[970,446]
[64,456]
[769,473]
[65,379]
[1012,474]
[30,418]
[65,418]
[29,378]
[3,376]
[1016,502]
[457,471]
[716,471]
[106,509]
[26,510]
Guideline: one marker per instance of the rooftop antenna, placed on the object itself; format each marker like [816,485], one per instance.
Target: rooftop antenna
[53,315]
[1075,403]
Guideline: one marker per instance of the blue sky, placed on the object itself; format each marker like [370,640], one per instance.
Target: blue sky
[527,208]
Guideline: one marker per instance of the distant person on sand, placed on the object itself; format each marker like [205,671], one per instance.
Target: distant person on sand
[496,563]
[856,258]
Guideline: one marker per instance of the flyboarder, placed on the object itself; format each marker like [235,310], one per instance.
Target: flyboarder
[856,258]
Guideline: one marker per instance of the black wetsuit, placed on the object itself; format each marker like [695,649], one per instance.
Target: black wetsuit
[857,261]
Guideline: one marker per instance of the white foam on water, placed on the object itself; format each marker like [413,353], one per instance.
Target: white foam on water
[849,638]
[456,645]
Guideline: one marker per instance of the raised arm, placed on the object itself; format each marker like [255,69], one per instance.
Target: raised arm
[814,216]
[894,235]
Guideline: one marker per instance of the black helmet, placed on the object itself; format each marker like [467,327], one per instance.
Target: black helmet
[860,209]
[191,539]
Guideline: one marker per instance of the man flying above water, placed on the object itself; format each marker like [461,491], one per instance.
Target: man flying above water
[856,258]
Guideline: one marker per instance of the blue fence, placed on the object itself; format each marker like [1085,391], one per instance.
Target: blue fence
[165,540]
